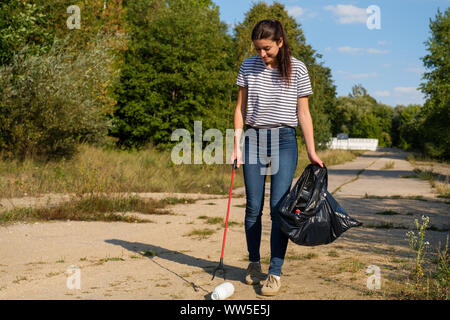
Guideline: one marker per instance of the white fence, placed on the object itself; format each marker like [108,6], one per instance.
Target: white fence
[353,144]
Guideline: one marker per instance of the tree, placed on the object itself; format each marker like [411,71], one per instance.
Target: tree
[361,116]
[177,69]
[47,106]
[405,126]
[55,82]
[23,24]
[436,111]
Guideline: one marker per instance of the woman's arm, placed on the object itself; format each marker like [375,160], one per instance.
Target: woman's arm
[305,120]
[239,116]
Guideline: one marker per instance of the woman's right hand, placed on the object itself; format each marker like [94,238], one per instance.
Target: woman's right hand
[237,154]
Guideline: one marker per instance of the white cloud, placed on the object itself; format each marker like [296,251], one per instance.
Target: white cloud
[348,14]
[405,90]
[296,11]
[418,70]
[349,75]
[351,50]
[377,51]
[382,43]
[383,93]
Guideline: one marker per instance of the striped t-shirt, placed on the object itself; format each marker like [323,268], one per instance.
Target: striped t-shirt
[271,103]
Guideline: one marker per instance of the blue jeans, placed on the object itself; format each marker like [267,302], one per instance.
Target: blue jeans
[279,146]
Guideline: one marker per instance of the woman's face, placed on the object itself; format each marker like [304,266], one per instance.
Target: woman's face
[268,50]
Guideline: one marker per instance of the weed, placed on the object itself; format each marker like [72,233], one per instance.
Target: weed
[111,259]
[92,208]
[217,220]
[387,213]
[149,253]
[333,253]
[201,233]
[389,165]
[349,265]
[385,225]
[417,243]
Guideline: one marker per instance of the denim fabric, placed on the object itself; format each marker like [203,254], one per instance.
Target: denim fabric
[261,146]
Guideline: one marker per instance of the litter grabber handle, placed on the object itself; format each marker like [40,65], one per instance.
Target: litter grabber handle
[220,266]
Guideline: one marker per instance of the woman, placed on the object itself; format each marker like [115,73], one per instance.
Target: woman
[272,101]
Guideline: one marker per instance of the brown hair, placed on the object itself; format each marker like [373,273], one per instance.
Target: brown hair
[273,30]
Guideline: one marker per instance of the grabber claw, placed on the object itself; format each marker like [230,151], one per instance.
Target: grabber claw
[219,268]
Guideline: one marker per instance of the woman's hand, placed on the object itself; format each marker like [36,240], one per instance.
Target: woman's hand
[314,159]
[237,154]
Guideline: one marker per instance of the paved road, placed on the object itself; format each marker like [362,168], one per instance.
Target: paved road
[367,174]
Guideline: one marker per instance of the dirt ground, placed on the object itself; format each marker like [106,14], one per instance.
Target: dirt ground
[160,260]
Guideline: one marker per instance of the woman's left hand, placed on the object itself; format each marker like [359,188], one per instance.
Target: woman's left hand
[314,159]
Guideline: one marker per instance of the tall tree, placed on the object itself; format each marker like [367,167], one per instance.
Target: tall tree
[361,116]
[436,111]
[178,68]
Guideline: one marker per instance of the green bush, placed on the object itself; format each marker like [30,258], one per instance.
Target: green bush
[50,103]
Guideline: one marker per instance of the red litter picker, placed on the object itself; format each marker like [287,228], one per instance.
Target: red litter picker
[220,266]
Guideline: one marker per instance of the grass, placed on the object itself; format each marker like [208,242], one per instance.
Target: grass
[437,181]
[333,253]
[292,257]
[351,265]
[200,233]
[387,213]
[101,261]
[418,197]
[96,170]
[218,220]
[92,208]
[388,165]
[433,284]
[149,253]
[440,184]
[385,225]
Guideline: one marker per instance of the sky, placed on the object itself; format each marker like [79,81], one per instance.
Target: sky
[383,55]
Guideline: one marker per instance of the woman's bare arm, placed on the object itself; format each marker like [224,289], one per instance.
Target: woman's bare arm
[305,120]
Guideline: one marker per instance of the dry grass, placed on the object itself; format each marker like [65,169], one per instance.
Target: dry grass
[96,170]
[437,173]
[93,208]
[389,165]
[201,233]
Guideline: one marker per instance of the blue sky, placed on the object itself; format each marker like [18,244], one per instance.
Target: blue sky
[386,61]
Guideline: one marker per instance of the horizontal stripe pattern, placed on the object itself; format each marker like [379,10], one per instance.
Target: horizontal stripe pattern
[270,102]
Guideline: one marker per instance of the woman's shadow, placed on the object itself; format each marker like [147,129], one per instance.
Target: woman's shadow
[151,251]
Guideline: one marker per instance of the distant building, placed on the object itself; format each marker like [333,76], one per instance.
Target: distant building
[342,141]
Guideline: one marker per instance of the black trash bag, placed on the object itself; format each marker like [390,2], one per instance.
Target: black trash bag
[309,214]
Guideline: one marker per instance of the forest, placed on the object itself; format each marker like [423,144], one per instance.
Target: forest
[134,71]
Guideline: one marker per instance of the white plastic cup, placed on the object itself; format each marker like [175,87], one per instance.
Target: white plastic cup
[223,291]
